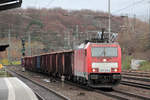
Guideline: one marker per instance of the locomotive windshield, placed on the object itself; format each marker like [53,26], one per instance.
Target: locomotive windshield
[104,52]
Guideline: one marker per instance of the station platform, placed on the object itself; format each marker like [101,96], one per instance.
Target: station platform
[11,88]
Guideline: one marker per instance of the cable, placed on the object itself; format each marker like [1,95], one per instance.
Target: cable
[35,3]
[50,3]
[127,7]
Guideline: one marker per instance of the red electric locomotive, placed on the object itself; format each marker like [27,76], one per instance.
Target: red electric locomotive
[98,64]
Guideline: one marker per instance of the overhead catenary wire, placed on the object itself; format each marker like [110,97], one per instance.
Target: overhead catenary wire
[36,3]
[49,3]
[128,6]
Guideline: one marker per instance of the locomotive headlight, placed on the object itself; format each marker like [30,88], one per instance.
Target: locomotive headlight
[104,60]
[114,69]
[94,70]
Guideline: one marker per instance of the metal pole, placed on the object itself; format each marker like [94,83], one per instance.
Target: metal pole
[9,49]
[87,36]
[29,44]
[77,32]
[109,22]
[65,40]
[68,40]
[75,38]
[134,16]
[134,23]
[149,16]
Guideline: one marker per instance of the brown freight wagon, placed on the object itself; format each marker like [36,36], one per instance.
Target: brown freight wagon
[55,64]
[27,63]
[60,63]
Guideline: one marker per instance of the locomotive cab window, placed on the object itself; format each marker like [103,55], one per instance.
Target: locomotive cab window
[104,52]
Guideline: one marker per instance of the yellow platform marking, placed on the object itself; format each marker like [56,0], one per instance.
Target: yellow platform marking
[1,66]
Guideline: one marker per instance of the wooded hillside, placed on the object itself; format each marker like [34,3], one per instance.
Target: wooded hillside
[58,29]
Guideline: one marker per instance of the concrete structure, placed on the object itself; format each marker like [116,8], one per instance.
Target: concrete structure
[135,64]
[9,4]
[3,47]
[14,89]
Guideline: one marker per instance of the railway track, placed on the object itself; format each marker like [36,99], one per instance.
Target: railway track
[123,95]
[145,79]
[39,96]
[136,80]
[137,74]
[117,94]
[135,84]
[41,91]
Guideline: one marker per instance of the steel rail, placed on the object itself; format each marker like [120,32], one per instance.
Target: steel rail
[136,74]
[136,78]
[134,84]
[117,94]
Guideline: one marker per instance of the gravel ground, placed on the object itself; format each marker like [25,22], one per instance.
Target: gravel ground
[135,90]
[72,92]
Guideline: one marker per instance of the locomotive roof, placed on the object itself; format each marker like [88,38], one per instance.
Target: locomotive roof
[106,43]
[84,46]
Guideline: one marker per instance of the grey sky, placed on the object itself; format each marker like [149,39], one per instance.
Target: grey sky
[141,8]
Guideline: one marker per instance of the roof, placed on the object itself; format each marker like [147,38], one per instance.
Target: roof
[9,4]
[3,47]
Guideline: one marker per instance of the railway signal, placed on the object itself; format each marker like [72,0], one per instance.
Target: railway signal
[23,47]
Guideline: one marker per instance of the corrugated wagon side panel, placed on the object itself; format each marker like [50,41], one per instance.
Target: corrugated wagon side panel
[60,64]
[53,63]
[32,63]
[42,63]
[68,63]
[29,64]
[38,66]
[35,62]
[48,63]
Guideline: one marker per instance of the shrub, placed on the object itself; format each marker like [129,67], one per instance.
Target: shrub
[145,66]
[5,62]
[126,62]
